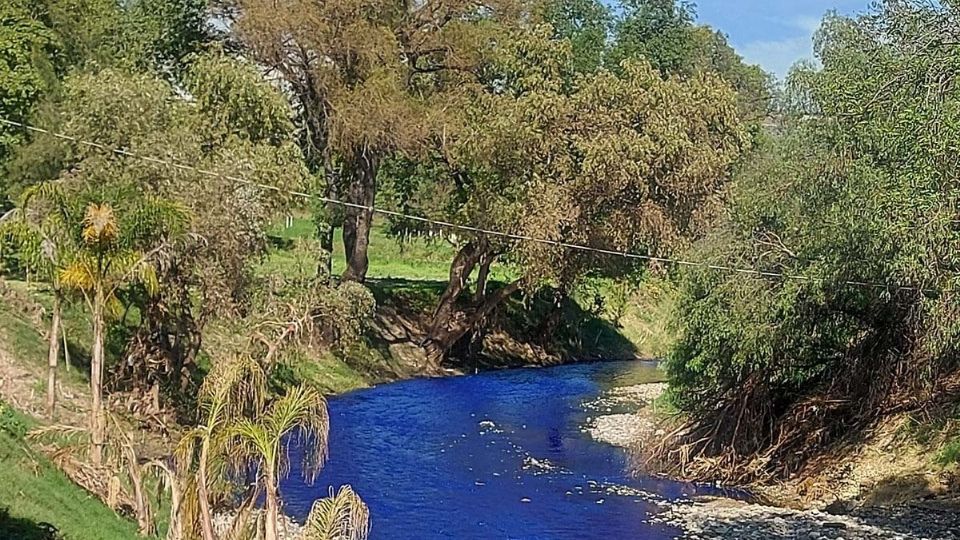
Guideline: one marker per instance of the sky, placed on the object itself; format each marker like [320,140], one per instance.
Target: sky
[772,33]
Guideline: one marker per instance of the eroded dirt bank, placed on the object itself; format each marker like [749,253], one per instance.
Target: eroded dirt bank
[879,491]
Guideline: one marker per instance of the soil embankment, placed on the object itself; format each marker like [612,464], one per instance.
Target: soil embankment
[886,491]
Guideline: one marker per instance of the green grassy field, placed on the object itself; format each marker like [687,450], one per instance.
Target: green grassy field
[419,259]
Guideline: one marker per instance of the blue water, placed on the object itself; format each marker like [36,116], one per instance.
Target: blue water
[417,453]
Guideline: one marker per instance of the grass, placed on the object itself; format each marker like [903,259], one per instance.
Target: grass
[632,321]
[326,372]
[33,492]
[414,259]
[950,452]
[26,339]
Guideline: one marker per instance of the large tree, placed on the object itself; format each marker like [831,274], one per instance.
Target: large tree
[623,162]
[370,78]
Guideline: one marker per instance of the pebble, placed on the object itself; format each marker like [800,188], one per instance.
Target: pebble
[288,529]
[709,521]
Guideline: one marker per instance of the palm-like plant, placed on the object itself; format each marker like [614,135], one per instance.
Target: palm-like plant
[98,270]
[233,387]
[301,409]
[43,242]
[341,516]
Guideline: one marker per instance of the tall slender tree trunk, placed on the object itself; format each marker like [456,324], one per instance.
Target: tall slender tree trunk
[66,347]
[333,212]
[53,356]
[144,514]
[97,417]
[358,221]
[271,505]
[206,516]
[483,274]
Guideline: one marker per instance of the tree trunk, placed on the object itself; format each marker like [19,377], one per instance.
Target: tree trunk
[357,222]
[333,214]
[53,355]
[175,523]
[66,347]
[460,270]
[551,322]
[444,336]
[144,515]
[206,517]
[482,275]
[97,417]
[271,506]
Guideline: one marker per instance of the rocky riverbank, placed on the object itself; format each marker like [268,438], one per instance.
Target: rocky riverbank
[623,415]
[288,529]
[725,519]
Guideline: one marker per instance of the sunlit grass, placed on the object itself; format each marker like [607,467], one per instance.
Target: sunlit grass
[34,491]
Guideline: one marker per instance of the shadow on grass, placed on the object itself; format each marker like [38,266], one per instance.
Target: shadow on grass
[25,529]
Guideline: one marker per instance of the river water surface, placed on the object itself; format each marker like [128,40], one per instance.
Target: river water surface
[492,456]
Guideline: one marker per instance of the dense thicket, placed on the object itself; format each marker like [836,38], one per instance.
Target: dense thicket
[857,194]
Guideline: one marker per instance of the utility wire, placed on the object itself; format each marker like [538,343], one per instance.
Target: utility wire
[456,226]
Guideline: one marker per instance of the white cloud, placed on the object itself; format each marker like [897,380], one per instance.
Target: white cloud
[778,56]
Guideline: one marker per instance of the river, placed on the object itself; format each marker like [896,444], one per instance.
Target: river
[491,456]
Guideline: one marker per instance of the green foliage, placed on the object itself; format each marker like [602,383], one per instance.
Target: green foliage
[950,453]
[236,101]
[26,45]
[658,30]
[586,25]
[12,423]
[857,189]
[160,34]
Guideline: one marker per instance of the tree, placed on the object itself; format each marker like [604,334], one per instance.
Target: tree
[233,388]
[302,409]
[586,25]
[856,198]
[107,261]
[370,79]
[661,31]
[25,69]
[624,162]
[43,241]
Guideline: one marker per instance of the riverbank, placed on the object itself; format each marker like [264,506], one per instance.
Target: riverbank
[724,519]
[623,415]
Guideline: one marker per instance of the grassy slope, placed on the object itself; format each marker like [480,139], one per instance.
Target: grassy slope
[34,491]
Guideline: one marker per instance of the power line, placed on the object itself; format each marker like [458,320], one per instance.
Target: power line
[455,226]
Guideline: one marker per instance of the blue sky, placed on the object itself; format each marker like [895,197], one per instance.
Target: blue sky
[772,33]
